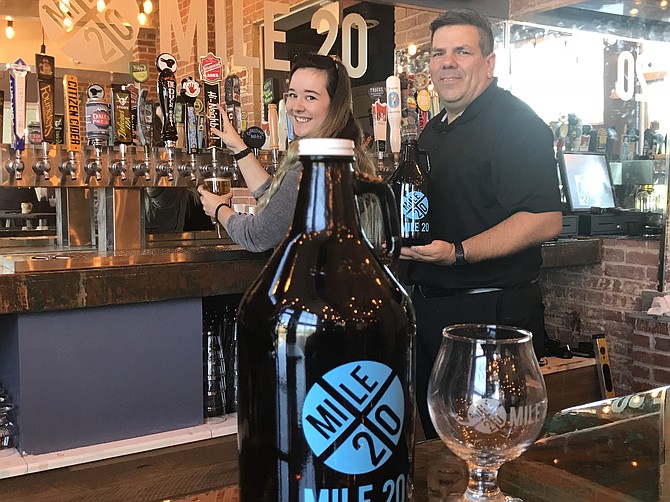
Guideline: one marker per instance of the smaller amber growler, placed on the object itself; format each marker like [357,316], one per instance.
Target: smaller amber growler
[410,186]
[325,339]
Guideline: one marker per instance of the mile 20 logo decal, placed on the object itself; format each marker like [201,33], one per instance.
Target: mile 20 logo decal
[353,416]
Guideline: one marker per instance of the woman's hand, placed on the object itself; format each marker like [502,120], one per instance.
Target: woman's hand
[211,201]
[228,134]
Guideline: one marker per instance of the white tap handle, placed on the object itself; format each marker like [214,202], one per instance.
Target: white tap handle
[393,111]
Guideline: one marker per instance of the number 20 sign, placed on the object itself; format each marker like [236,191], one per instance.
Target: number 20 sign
[351,21]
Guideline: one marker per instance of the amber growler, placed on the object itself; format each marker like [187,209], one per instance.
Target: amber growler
[410,186]
[325,337]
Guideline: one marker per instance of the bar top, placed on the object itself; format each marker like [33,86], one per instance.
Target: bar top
[610,450]
[47,280]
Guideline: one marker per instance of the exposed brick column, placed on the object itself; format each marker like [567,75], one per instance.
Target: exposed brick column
[585,300]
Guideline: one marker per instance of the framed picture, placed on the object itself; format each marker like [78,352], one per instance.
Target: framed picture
[587,181]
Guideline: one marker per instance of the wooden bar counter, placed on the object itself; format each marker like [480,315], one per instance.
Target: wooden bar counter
[611,450]
[89,341]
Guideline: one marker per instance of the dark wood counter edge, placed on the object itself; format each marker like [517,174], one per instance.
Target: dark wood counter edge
[96,287]
[230,272]
[572,252]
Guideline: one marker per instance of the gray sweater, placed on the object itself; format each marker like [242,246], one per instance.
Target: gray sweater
[267,228]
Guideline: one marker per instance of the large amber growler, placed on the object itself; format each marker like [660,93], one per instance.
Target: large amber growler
[325,334]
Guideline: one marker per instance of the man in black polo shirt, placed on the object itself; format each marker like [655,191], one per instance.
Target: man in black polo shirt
[494,199]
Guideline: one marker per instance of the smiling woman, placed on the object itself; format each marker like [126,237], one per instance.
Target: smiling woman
[318,104]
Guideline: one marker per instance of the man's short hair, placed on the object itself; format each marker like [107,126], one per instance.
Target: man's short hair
[468,17]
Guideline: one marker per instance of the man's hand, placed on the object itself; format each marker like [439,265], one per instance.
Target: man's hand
[437,252]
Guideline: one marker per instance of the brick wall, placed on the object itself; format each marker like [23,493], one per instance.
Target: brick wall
[412,26]
[146,51]
[581,301]
[651,354]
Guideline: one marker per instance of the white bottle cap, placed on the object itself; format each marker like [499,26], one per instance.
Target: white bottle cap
[328,147]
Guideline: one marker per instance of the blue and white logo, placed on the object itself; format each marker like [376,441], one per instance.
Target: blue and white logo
[415,205]
[353,416]
[393,100]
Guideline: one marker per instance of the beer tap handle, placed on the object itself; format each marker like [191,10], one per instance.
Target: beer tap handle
[273,121]
[45,66]
[231,86]
[17,88]
[122,126]
[282,126]
[72,124]
[97,127]
[97,116]
[190,90]
[211,73]
[144,118]
[393,113]
[167,95]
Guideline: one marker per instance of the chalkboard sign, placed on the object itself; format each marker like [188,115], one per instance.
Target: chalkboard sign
[254,137]
[270,93]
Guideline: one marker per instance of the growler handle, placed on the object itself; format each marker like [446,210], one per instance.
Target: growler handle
[391,253]
[423,154]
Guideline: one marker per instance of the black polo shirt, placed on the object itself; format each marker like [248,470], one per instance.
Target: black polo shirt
[494,160]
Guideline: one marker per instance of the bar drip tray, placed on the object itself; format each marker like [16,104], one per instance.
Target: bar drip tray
[61,260]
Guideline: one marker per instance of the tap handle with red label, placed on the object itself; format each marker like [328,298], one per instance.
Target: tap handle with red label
[167,95]
[211,73]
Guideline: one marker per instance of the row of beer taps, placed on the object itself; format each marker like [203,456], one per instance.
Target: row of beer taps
[108,131]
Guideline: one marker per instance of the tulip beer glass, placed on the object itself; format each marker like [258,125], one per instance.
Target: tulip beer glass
[487,400]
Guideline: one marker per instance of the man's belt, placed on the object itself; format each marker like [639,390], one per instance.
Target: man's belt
[432,292]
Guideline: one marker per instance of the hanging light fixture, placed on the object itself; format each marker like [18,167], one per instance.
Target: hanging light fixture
[142,18]
[148,6]
[9,31]
[101,5]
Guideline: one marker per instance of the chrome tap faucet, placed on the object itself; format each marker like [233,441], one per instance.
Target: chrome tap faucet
[69,166]
[188,169]
[118,167]
[143,168]
[43,166]
[16,166]
[94,166]
[212,169]
[166,168]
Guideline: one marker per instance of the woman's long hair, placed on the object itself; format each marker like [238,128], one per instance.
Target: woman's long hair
[339,124]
